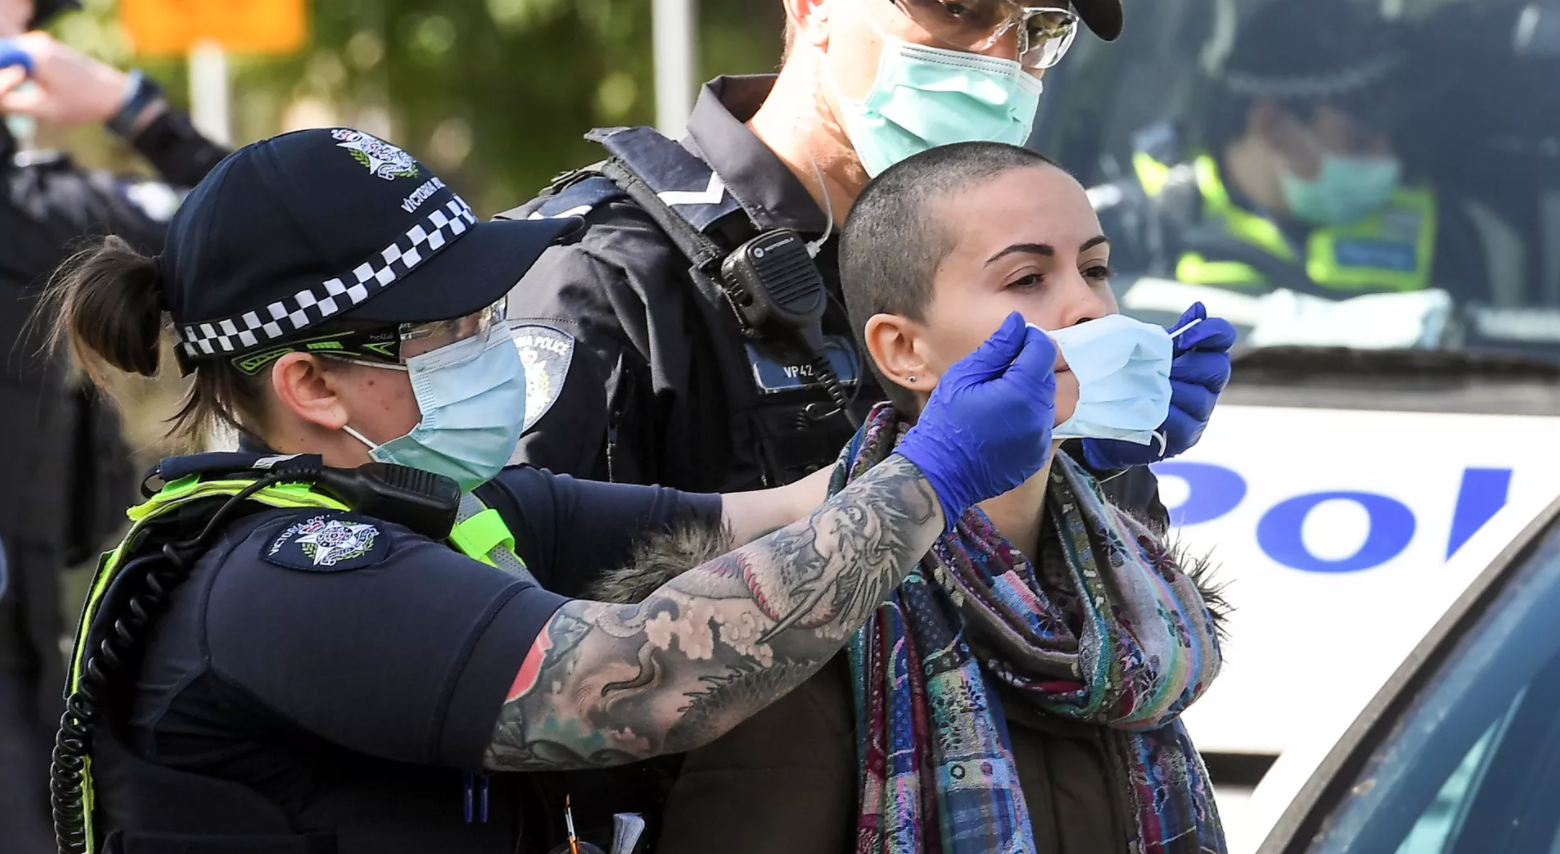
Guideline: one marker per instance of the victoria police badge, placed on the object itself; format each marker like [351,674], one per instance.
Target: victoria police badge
[332,542]
[379,157]
[546,353]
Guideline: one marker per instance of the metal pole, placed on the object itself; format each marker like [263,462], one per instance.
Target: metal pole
[676,62]
[210,93]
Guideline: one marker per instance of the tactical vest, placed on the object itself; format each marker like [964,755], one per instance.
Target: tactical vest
[135,806]
[1392,249]
[781,423]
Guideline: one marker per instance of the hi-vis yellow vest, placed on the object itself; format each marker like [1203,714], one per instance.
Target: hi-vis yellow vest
[479,533]
[1393,249]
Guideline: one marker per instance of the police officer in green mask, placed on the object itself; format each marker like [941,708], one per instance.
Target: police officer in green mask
[1296,181]
[643,369]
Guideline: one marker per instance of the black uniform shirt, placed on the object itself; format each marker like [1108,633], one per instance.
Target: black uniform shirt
[306,645]
[641,398]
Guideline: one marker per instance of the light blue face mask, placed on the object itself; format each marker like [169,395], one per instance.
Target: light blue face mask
[1346,190]
[22,128]
[1123,371]
[924,97]
[472,398]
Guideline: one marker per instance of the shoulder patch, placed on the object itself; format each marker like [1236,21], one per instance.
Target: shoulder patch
[546,353]
[333,541]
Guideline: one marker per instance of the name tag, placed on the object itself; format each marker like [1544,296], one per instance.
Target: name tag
[1377,255]
[777,369]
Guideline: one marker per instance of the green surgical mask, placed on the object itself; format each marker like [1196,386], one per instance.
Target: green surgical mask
[1345,191]
[925,97]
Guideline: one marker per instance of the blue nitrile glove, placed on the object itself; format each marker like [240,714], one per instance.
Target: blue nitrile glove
[11,54]
[987,427]
[1199,372]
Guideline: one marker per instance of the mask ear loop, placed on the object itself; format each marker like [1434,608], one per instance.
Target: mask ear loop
[1159,435]
[1177,333]
[347,429]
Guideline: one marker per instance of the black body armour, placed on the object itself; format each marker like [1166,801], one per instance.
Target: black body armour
[784,423]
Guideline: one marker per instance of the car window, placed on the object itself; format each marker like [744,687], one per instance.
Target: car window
[1472,764]
[1433,832]
[1490,178]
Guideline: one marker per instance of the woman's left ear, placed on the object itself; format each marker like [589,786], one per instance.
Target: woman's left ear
[304,386]
[891,344]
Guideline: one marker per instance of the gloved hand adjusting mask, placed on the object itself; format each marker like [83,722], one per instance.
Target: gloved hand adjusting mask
[1123,371]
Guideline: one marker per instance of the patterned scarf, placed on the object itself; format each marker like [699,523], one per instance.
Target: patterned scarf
[1105,630]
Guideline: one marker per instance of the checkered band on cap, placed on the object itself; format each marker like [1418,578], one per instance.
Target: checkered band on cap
[316,304]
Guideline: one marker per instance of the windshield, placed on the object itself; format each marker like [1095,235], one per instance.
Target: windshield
[1473,764]
[1377,174]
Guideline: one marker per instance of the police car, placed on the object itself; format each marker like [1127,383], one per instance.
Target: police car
[1459,751]
[1379,447]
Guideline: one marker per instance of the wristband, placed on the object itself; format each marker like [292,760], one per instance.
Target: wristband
[143,92]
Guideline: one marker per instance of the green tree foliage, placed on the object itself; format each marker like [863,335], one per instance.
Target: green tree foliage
[494,94]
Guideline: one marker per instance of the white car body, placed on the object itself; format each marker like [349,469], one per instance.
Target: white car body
[1421,504]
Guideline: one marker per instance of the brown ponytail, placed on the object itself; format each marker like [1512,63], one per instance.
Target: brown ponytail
[106,304]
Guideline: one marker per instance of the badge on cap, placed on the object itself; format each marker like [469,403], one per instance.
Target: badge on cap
[331,542]
[379,157]
[546,353]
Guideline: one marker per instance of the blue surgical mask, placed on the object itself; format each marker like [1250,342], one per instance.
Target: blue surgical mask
[1123,371]
[924,97]
[1345,191]
[472,398]
[23,129]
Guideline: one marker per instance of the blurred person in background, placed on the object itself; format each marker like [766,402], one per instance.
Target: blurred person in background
[61,455]
[693,334]
[1299,183]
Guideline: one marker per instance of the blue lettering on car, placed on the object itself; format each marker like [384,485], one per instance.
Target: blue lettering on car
[1214,491]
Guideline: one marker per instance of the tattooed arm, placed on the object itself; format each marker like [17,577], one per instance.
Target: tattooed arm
[609,684]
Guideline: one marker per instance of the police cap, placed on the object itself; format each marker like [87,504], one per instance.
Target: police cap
[319,225]
[1312,50]
[1102,16]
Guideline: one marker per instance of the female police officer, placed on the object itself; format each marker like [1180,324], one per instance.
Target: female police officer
[282,656]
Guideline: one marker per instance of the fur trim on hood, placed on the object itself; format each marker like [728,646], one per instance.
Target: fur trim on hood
[659,559]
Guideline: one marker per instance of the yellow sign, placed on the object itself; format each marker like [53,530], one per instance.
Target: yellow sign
[172,27]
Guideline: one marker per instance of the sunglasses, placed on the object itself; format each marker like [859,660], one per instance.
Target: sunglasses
[381,346]
[1044,32]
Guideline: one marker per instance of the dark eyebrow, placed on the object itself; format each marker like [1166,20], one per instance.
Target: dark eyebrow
[1045,249]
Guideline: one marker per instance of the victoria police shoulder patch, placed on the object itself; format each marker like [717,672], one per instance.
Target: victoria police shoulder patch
[333,541]
[546,353]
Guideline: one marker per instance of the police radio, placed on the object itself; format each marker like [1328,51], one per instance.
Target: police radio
[774,286]
[774,282]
